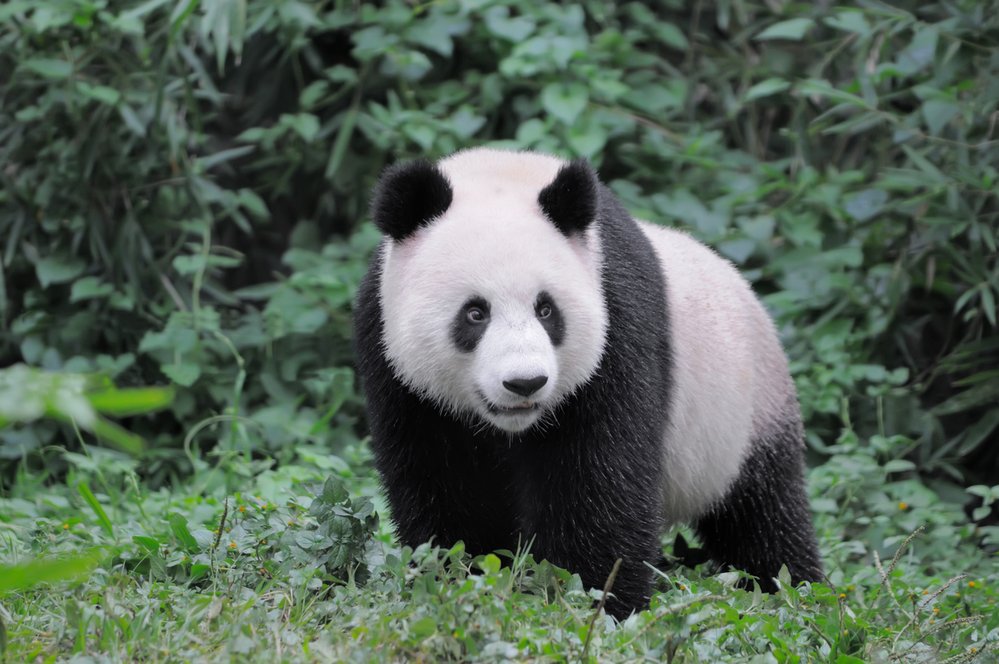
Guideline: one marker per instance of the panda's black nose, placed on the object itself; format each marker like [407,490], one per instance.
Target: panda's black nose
[525,387]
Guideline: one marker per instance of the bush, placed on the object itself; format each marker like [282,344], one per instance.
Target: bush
[184,186]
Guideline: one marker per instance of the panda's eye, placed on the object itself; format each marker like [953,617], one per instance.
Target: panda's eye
[544,310]
[476,315]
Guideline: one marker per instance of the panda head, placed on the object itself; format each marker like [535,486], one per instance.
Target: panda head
[490,282]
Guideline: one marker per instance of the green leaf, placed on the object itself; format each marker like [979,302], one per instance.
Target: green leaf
[305,125]
[88,288]
[132,120]
[565,100]
[793,29]
[670,35]
[342,142]
[101,93]
[435,32]
[978,432]
[849,20]
[253,203]
[334,492]
[199,570]
[986,393]
[48,67]
[132,401]
[770,86]
[925,165]
[184,374]
[423,627]
[490,563]
[466,122]
[655,98]
[865,204]
[920,52]
[98,510]
[180,530]
[150,544]
[820,88]
[898,466]
[222,156]
[737,250]
[121,438]
[499,23]
[58,269]
[587,140]
[988,304]
[313,93]
[938,113]
[48,570]
[181,11]
[14,8]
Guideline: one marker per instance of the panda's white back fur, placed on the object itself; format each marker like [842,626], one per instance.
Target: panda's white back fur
[729,376]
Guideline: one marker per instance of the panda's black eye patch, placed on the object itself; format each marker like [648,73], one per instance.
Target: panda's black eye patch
[550,317]
[470,324]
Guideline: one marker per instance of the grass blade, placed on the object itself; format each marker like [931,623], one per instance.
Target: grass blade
[91,499]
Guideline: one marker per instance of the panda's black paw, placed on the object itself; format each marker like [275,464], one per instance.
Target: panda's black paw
[687,555]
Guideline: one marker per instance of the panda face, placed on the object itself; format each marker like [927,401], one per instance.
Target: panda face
[490,310]
[513,345]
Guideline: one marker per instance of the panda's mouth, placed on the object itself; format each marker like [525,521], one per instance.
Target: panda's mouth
[512,410]
[519,409]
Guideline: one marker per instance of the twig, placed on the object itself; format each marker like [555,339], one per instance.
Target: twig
[174,295]
[966,620]
[218,535]
[885,581]
[929,600]
[600,605]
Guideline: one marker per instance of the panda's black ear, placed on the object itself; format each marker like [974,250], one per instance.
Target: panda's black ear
[409,195]
[570,201]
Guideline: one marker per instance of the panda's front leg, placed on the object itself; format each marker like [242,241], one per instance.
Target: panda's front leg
[586,503]
[443,488]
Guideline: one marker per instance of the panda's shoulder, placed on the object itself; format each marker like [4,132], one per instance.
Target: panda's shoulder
[683,256]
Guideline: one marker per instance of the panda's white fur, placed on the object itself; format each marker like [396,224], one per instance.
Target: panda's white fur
[729,376]
[506,252]
[729,371]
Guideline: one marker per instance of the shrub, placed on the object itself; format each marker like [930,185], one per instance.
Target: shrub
[184,186]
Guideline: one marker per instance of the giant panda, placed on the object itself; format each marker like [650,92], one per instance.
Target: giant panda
[542,368]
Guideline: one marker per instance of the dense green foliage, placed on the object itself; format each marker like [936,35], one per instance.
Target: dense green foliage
[183,191]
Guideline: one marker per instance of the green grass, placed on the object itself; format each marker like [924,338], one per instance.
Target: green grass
[303,572]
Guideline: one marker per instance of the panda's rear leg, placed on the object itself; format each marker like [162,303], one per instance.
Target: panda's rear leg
[764,521]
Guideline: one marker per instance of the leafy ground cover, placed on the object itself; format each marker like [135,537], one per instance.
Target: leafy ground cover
[250,561]
[183,192]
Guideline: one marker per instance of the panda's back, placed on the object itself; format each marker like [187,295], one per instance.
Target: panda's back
[730,378]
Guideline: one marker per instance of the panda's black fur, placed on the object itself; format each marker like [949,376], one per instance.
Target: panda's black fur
[587,491]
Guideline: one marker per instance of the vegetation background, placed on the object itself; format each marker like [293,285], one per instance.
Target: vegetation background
[183,192]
